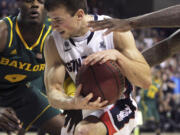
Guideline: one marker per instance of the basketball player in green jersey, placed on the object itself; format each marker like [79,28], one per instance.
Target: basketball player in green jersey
[22,104]
[149,101]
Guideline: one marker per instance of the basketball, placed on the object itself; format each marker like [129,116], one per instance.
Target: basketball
[103,80]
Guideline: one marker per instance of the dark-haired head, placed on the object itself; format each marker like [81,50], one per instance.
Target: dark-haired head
[71,5]
[68,16]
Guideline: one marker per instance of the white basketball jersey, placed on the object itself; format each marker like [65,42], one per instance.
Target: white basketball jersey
[74,50]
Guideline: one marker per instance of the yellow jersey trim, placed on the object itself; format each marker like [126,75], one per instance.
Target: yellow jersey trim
[24,42]
[29,126]
[42,43]
[43,94]
[11,33]
[49,19]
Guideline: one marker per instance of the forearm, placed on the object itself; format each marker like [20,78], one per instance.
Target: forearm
[55,92]
[163,50]
[136,72]
[157,54]
[60,100]
[168,17]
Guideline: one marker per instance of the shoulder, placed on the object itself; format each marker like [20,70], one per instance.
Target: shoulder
[49,42]
[123,35]
[50,45]
[3,34]
[123,39]
[3,26]
[50,51]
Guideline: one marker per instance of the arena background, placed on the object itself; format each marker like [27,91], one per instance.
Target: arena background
[169,70]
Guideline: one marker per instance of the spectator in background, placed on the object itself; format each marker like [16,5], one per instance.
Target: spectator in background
[149,104]
[3,8]
[13,8]
[168,85]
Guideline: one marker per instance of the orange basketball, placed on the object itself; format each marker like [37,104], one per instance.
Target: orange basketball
[103,80]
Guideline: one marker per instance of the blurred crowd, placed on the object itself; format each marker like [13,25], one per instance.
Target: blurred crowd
[169,76]
[169,71]
[8,7]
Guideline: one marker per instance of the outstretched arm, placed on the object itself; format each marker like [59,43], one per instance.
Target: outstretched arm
[163,50]
[168,17]
[8,118]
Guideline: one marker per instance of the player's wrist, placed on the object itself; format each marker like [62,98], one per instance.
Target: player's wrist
[133,23]
[73,103]
[119,56]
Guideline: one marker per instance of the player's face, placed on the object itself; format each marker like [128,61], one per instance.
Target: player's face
[32,11]
[63,22]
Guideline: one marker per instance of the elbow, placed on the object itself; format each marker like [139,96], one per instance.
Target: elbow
[147,83]
[53,105]
[51,101]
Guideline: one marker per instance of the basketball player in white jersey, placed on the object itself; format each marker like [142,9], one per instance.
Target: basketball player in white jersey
[70,45]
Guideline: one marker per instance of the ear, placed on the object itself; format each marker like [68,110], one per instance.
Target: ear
[80,14]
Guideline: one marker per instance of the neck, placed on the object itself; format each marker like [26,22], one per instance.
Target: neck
[84,29]
[28,25]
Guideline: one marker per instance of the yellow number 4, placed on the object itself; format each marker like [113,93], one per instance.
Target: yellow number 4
[13,78]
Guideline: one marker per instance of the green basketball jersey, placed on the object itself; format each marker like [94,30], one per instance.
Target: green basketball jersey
[151,93]
[148,103]
[20,62]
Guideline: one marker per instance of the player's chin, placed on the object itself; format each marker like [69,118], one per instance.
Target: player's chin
[34,20]
[65,36]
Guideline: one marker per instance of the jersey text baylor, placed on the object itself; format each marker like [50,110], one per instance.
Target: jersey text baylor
[20,62]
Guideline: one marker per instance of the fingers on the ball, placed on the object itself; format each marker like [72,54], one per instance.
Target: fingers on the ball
[105,59]
[96,102]
[88,97]
[78,90]
[90,58]
[104,103]
[98,59]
